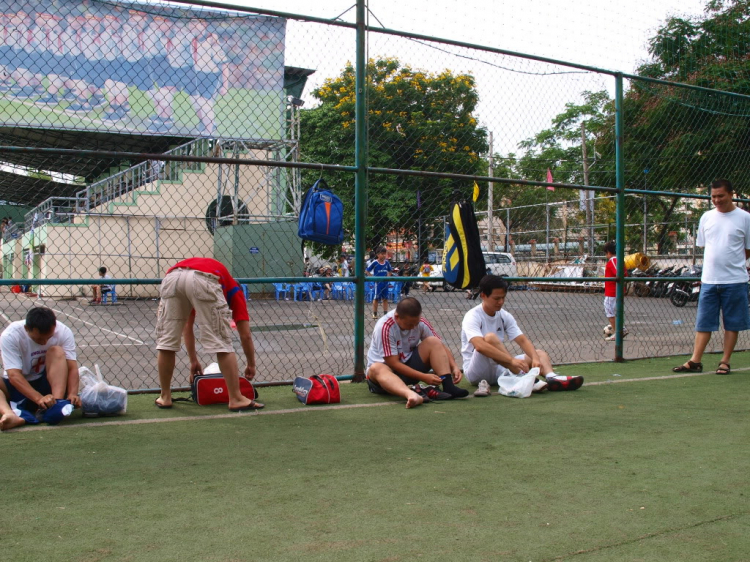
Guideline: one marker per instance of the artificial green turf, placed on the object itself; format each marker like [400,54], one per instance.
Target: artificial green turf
[650,470]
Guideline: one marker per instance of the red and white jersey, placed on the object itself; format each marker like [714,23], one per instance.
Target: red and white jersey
[388,339]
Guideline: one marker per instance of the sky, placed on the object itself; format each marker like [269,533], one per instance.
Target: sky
[517,97]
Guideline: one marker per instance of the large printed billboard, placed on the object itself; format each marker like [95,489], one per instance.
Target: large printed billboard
[138,68]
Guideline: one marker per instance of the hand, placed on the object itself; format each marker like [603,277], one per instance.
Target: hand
[457,374]
[250,372]
[75,400]
[432,379]
[535,362]
[518,365]
[195,369]
[45,402]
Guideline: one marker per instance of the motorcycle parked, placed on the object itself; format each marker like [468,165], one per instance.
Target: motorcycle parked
[642,288]
[687,291]
[658,288]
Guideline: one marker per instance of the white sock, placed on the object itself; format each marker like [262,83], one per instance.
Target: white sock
[553,375]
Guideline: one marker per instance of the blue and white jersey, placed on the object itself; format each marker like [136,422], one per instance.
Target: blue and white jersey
[378,269]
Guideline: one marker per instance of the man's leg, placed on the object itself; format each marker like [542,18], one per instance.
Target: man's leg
[706,321]
[8,419]
[165,361]
[57,371]
[435,355]
[544,359]
[230,370]
[389,381]
[730,341]
[699,345]
[385,305]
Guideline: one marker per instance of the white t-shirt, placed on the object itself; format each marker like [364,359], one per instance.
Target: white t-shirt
[477,323]
[388,339]
[725,237]
[19,351]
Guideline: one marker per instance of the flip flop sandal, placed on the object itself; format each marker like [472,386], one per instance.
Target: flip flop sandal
[162,406]
[254,405]
[689,368]
[722,371]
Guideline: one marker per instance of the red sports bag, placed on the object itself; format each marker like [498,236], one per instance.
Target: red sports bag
[318,389]
[212,389]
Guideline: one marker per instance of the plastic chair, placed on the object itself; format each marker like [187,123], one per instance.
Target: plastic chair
[394,291]
[280,288]
[110,295]
[369,291]
[308,289]
[244,290]
[343,290]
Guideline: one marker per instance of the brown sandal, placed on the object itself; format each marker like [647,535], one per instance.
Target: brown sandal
[721,370]
[689,367]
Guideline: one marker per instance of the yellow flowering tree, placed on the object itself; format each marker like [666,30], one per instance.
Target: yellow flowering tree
[415,121]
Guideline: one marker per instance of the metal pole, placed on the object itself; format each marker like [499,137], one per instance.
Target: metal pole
[507,229]
[490,198]
[360,196]
[587,198]
[546,237]
[645,213]
[620,217]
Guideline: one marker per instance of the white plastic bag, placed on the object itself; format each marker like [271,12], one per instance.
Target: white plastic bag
[517,386]
[100,398]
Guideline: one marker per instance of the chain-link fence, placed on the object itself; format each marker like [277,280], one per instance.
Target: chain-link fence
[137,135]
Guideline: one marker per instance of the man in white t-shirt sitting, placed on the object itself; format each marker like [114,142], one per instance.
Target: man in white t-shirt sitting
[39,360]
[403,351]
[724,232]
[485,358]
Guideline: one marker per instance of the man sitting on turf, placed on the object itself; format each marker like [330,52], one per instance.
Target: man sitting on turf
[485,358]
[403,350]
[39,357]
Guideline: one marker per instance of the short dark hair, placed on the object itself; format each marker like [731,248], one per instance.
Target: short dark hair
[42,319]
[409,307]
[610,248]
[719,183]
[103,270]
[489,283]
[381,250]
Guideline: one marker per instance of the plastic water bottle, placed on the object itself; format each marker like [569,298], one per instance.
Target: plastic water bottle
[677,322]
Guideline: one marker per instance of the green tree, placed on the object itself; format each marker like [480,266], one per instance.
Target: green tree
[415,121]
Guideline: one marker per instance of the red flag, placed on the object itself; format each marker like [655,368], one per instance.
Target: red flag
[550,180]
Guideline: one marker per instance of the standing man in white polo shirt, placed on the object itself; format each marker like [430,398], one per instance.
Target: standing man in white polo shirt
[724,232]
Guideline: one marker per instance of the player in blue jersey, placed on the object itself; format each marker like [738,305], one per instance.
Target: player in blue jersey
[381,267]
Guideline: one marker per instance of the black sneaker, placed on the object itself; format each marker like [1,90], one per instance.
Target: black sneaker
[421,391]
[375,315]
[434,393]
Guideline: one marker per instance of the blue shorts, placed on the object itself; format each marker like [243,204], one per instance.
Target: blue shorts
[381,292]
[41,385]
[731,299]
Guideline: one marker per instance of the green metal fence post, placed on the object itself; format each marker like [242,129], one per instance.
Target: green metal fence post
[360,198]
[620,218]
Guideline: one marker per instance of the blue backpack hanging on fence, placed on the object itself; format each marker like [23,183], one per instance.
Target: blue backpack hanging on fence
[321,217]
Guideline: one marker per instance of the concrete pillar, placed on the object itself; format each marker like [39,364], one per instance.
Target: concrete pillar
[533,247]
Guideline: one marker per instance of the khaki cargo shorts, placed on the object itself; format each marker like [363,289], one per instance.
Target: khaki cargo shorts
[183,290]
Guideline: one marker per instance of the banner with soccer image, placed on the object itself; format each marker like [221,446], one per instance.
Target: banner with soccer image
[141,68]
